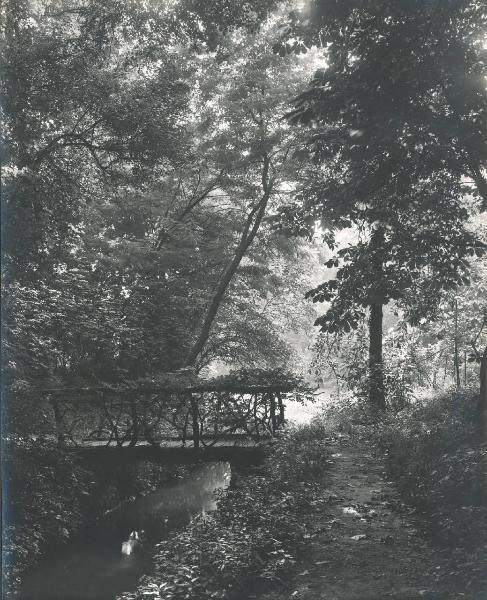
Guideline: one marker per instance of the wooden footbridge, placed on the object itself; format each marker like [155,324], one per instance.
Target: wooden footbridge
[182,415]
[237,450]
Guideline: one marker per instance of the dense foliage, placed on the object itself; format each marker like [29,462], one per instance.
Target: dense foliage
[53,495]
[255,535]
[139,169]
[395,153]
[434,453]
[426,348]
[167,168]
[46,490]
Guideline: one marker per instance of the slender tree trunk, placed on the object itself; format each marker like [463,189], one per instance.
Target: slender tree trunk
[376,367]
[281,408]
[456,357]
[483,395]
[192,204]
[185,427]
[250,230]
[482,406]
[256,420]
[216,424]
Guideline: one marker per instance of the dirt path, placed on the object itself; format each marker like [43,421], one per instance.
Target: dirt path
[366,545]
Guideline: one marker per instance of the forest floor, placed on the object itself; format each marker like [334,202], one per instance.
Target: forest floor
[367,545]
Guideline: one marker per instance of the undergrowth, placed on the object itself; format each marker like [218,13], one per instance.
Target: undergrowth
[434,454]
[49,495]
[43,490]
[254,538]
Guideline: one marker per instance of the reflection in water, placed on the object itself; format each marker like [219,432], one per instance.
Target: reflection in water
[94,568]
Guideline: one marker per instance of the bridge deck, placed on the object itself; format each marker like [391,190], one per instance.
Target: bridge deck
[237,451]
[206,443]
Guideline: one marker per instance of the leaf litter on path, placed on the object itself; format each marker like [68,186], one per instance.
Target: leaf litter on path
[376,553]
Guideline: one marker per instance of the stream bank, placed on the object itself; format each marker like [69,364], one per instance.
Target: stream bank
[253,541]
[92,566]
[53,495]
[324,519]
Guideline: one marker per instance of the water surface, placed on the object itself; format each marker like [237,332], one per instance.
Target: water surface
[92,567]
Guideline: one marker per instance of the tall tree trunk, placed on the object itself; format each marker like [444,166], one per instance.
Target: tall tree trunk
[185,427]
[456,357]
[280,404]
[256,420]
[250,230]
[216,424]
[483,416]
[376,367]
[483,395]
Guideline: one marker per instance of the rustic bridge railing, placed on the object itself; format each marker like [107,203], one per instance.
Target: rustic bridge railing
[198,414]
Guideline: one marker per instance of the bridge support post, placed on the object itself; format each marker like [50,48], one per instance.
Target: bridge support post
[272,409]
[195,420]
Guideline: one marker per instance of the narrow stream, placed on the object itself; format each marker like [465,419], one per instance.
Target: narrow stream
[92,566]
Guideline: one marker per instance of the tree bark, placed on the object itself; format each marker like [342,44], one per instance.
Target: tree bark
[376,368]
[250,230]
[377,398]
[456,357]
[185,427]
[483,395]
[280,404]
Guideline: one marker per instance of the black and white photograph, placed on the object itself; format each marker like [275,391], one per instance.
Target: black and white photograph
[244,299]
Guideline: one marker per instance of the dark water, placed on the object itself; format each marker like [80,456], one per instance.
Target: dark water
[93,567]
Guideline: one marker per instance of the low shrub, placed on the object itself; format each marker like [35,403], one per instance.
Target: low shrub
[50,496]
[253,539]
[44,489]
[434,454]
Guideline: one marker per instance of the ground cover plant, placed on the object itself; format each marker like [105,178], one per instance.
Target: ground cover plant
[48,487]
[435,455]
[254,538]
[54,494]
